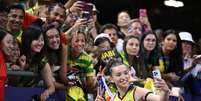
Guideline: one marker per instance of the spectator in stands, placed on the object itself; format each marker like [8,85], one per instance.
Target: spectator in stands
[123,20]
[112,31]
[16,15]
[14,63]
[170,60]
[55,53]
[130,57]
[149,53]
[80,68]
[6,46]
[187,48]
[192,66]
[56,14]
[3,14]
[119,74]
[103,44]
[135,28]
[33,47]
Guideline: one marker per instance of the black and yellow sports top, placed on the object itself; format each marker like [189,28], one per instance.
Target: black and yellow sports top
[129,96]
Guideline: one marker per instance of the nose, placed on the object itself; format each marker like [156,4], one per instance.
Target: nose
[58,17]
[54,39]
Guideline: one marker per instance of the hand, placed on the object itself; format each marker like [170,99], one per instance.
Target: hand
[15,67]
[144,20]
[44,96]
[161,85]
[99,98]
[173,77]
[196,59]
[77,6]
[22,62]
[79,22]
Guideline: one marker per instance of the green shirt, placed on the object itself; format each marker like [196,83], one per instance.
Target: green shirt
[84,63]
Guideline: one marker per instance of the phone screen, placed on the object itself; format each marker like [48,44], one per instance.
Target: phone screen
[142,12]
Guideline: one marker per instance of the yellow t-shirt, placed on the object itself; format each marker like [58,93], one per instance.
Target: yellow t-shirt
[129,96]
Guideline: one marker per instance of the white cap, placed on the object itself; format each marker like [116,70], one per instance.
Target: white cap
[186,36]
[101,35]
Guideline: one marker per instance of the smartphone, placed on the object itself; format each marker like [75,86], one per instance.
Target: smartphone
[156,73]
[87,7]
[142,12]
[85,15]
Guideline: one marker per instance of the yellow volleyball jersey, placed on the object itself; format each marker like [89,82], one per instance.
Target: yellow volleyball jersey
[129,96]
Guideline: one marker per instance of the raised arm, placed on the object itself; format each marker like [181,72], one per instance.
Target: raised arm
[47,77]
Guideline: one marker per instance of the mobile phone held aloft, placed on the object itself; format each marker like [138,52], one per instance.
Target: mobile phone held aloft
[85,15]
[142,12]
[156,73]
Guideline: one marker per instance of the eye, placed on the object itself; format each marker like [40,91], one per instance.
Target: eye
[126,72]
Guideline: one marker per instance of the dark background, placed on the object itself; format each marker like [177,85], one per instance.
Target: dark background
[186,18]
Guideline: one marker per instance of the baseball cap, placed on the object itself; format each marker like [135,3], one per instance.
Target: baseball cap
[101,35]
[186,36]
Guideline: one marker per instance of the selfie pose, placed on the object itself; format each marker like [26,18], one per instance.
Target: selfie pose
[120,75]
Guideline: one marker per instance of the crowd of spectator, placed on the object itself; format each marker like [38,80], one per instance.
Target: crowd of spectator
[65,48]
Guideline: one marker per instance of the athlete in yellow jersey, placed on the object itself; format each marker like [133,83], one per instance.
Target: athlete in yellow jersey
[129,96]
[120,75]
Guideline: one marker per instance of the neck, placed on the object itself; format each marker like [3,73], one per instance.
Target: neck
[124,30]
[165,51]
[122,91]
[75,53]
[130,59]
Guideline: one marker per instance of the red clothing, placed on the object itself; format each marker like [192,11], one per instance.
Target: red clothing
[28,19]
[3,76]
[63,38]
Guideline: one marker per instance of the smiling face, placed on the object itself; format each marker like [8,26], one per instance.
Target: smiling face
[7,44]
[57,15]
[170,42]
[15,54]
[120,76]
[133,47]
[53,38]
[149,42]
[37,45]
[78,42]
[15,19]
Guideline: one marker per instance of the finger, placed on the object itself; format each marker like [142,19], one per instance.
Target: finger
[100,68]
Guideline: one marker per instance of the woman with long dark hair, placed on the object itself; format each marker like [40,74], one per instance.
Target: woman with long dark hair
[33,47]
[170,60]
[149,56]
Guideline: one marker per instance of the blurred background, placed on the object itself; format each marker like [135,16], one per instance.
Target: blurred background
[186,18]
